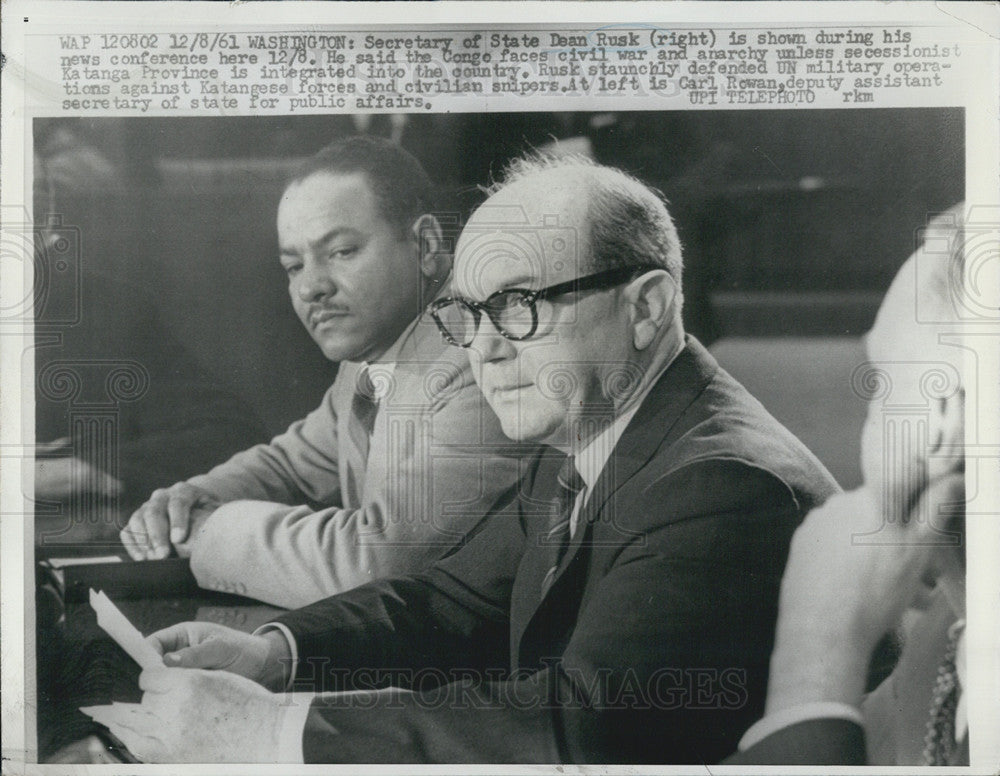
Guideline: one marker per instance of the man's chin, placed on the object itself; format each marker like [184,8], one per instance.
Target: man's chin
[520,429]
[340,348]
[343,354]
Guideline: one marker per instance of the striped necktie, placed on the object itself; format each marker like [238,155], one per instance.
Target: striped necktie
[557,536]
[364,407]
[939,741]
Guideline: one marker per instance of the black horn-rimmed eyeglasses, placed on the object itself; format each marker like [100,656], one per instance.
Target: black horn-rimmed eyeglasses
[514,311]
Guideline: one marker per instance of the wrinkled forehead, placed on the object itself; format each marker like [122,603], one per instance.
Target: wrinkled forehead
[520,238]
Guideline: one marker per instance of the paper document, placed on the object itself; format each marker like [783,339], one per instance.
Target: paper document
[125,634]
[58,563]
[113,712]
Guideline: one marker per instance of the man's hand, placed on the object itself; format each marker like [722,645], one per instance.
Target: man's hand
[850,576]
[264,659]
[201,717]
[172,515]
[197,518]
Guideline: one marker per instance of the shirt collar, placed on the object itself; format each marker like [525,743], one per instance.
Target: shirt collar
[591,459]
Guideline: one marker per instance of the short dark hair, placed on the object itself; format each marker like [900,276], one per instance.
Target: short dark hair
[629,222]
[401,186]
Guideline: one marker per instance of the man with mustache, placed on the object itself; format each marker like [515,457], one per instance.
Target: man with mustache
[617,607]
[401,458]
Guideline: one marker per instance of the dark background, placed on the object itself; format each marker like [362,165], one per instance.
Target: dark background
[794,223]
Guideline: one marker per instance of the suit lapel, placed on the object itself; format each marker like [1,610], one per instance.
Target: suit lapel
[351,464]
[411,393]
[534,510]
[424,365]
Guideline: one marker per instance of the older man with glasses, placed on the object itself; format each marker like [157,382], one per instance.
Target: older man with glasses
[618,606]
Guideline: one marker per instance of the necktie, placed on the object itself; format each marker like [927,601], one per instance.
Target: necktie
[939,741]
[556,537]
[364,407]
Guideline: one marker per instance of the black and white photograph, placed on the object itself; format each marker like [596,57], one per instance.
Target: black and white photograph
[617,436]
[194,432]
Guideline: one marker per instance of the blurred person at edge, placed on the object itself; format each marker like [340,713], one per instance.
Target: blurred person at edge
[859,561]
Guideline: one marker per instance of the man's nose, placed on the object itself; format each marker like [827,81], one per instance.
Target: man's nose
[490,344]
[315,282]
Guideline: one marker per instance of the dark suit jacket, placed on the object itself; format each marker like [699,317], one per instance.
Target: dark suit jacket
[896,712]
[651,645]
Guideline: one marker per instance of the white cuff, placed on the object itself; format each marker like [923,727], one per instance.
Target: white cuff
[295,710]
[779,720]
[292,647]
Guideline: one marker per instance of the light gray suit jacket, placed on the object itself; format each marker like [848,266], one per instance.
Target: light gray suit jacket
[437,461]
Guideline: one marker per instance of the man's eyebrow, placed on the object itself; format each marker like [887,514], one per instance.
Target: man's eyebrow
[332,234]
[519,281]
[323,239]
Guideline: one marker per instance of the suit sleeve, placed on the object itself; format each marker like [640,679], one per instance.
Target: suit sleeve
[813,742]
[667,662]
[443,474]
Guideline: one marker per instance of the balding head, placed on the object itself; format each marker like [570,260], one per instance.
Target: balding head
[922,302]
[921,307]
[919,365]
[608,246]
[623,222]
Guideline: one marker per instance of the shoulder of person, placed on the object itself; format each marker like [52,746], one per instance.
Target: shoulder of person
[728,423]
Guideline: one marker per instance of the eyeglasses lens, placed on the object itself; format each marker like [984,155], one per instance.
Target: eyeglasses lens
[512,311]
[459,320]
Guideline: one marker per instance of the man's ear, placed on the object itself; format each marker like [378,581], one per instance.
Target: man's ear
[650,298]
[434,261]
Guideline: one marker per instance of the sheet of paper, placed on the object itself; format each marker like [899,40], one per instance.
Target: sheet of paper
[58,563]
[125,634]
[112,712]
